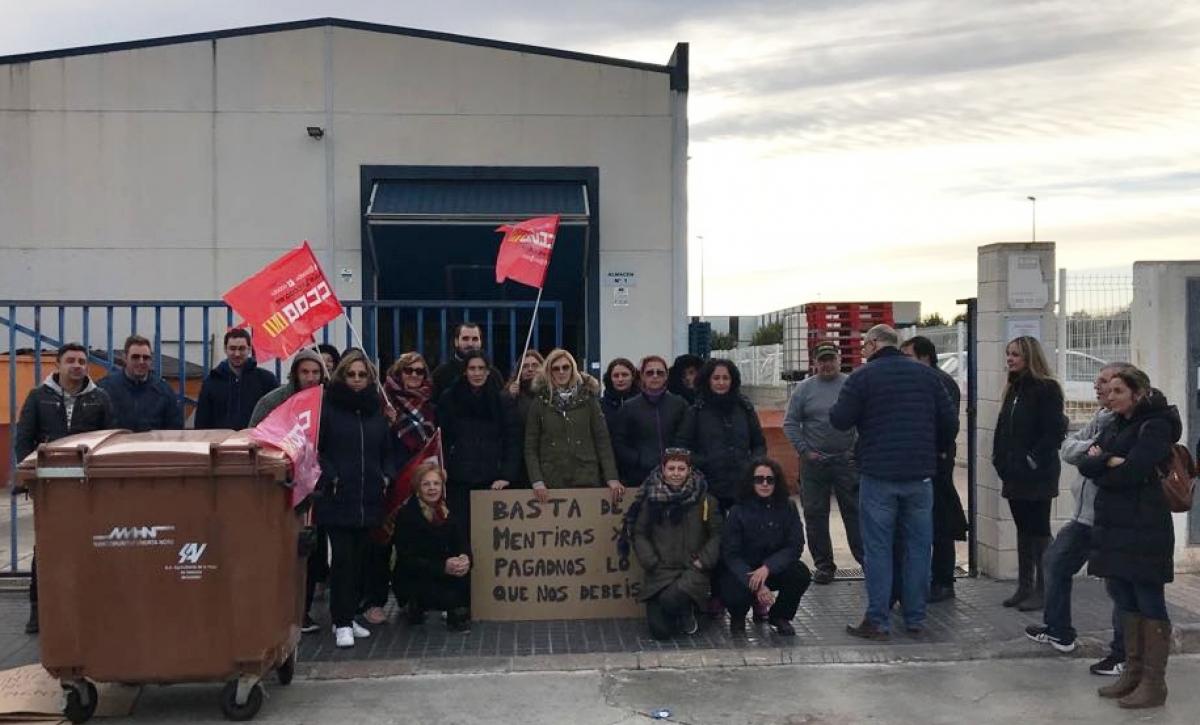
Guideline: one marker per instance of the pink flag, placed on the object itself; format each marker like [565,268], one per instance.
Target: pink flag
[294,427]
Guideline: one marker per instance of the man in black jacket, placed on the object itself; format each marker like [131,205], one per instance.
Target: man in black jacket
[904,420]
[949,522]
[468,337]
[141,400]
[233,388]
[66,403]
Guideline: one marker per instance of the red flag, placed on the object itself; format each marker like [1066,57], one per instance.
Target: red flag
[525,250]
[285,303]
[295,427]
[402,487]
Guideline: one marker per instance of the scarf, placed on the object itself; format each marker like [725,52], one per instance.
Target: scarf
[415,423]
[564,400]
[663,500]
[436,514]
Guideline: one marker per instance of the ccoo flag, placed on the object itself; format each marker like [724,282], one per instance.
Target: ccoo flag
[285,303]
[525,250]
[402,487]
[295,428]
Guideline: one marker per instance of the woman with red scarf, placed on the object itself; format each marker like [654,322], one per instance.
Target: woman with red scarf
[432,563]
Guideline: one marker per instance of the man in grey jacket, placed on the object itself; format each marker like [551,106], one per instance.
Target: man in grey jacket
[826,461]
[1069,552]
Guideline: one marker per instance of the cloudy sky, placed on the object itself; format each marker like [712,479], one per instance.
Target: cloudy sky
[849,148]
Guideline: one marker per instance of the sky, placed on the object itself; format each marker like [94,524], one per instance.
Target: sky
[848,149]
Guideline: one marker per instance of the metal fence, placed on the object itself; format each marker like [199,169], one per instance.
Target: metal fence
[1096,322]
[186,335]
[759,365]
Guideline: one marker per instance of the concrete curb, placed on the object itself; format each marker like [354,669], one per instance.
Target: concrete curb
[1185,641]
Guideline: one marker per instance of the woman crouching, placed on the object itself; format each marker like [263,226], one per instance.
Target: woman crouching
[760,548]
[677,539]
[432,564]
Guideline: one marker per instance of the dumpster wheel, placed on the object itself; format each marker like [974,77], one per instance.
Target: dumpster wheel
[286,671]
[238,713]
[75,708]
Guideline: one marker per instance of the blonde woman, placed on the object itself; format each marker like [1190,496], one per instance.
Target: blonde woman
[566,438]
[1029,430]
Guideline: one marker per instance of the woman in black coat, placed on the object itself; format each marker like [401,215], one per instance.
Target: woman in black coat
[620,384]
[1029,430]
[1133,537]
[760,549]
[650,423]
[358,462]
[433,564]
[480,435]
[722,430]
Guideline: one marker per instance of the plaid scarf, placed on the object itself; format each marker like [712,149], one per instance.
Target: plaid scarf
[415,423]
[662,500]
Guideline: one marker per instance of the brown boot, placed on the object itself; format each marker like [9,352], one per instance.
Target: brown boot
[1132,674]
[1156,646]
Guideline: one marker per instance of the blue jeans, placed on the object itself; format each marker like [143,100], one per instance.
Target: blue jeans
[1148,599]
[1063,560]
[883,507]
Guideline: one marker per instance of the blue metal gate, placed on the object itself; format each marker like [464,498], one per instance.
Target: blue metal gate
[186,336]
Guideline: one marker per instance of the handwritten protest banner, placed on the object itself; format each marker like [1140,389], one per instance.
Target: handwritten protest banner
[553,560]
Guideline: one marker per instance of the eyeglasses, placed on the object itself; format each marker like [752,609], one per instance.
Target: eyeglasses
[654,373]
[561,368]
[354,375]
[761,480]
[414,371]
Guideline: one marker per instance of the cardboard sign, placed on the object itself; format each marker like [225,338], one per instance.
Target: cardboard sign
[553,560]
[29,693]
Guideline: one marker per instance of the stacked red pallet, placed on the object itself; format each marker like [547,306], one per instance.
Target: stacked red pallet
[843,324]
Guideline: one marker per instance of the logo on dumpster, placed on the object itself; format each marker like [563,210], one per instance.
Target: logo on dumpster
[127,536]
[189,567]
[191,553]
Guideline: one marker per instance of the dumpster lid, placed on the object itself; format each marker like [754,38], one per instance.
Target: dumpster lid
[156,453]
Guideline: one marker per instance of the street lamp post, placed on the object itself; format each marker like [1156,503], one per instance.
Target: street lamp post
[700,238]
[1033,203]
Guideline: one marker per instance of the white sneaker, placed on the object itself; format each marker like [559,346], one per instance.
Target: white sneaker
[344,636]
[360,632]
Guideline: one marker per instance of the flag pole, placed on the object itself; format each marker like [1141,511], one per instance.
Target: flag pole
[363,346]
[529,335]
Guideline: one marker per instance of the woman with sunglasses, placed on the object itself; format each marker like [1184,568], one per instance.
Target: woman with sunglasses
[677,540]
[566,439]
[358,462]
[648,423]
[760,549]
[478,436]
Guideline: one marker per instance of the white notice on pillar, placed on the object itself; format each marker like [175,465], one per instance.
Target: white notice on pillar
[620,296]
[1026,288]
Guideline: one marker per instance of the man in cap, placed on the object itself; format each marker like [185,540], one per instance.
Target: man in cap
[826,460]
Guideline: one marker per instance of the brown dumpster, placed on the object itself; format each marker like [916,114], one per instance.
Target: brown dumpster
[169,556]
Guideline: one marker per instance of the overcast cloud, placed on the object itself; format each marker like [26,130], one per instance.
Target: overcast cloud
[849,149]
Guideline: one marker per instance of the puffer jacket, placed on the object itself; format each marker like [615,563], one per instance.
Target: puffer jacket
[1133,536]
[1029,431]
[142,405]
[642,430]
[724,434]
[903,415]
[44,416]
[571,448]
[358,461]
[665,548]
[761,531]
[479,434]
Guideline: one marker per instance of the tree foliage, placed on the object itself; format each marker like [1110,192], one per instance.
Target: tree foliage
[771,334]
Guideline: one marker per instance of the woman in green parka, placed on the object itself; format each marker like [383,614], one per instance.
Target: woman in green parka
[566,438]
[677,540]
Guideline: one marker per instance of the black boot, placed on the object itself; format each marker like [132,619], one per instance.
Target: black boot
[459,620]
[1036,599]
[1024,572]
[31,627]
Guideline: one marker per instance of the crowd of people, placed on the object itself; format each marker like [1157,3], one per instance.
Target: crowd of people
[712,523]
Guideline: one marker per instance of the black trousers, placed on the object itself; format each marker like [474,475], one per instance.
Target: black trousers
[1031,517]
[318,567]
[791,583]
[664,610]
[943,563]
[348,547]
[439,593]
[33,579]
[377,575]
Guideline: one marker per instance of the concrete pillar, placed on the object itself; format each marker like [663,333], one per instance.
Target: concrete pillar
[1016,297]
[1160,346]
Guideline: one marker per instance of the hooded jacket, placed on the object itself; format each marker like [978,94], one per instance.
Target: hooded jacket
[142,405]
[227,401]
[724,434]
[1133,536]
[358,461]
[571,448]
[272,400]
[44,415]
[665,547]
[1029,430]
